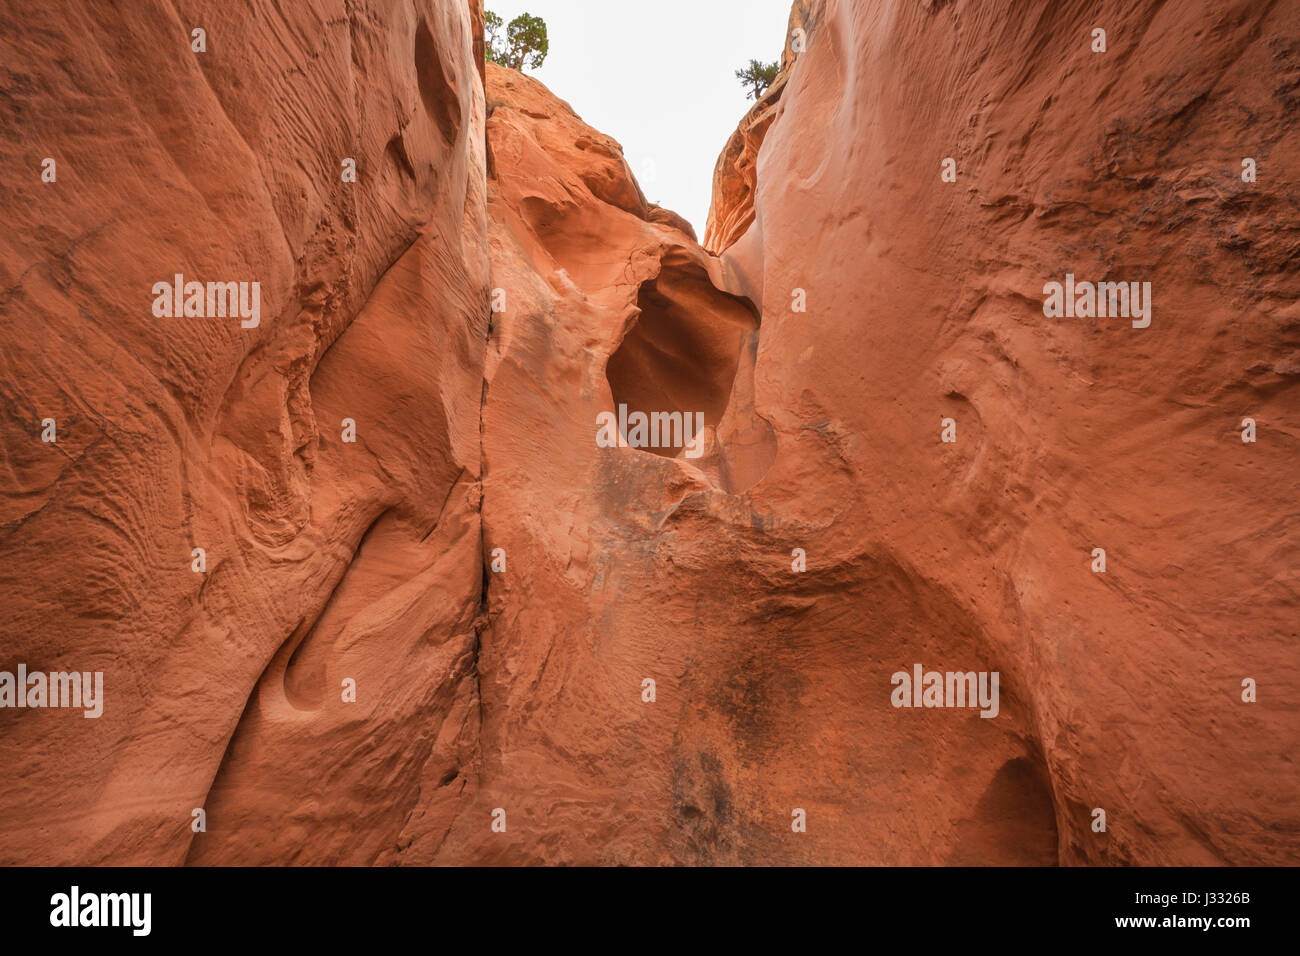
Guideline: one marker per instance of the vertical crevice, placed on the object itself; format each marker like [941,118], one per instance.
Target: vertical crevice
[481,617]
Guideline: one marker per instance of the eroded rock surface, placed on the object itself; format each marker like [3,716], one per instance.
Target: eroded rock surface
[325,560]
[501,588]
[924,302]
[888,301]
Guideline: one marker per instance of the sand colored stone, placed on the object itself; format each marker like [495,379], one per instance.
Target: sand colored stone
[522,689]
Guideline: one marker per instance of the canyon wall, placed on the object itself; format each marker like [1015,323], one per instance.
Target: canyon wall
[323,559]
[478,634]
[771,688]
[925,303]
[859,302]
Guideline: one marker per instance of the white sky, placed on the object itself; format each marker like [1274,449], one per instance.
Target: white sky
[657,75]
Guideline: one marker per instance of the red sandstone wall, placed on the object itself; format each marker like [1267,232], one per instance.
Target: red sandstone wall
[500,587]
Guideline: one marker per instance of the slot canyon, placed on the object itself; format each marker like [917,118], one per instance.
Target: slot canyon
[360,576]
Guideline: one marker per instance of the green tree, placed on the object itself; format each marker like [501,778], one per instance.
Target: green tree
[492,24]
[524,42]
[758,76]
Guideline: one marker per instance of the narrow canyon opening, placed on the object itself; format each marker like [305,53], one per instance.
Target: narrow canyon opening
[683,349]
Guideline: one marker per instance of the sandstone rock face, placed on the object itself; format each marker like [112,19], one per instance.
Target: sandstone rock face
[888,300]
[924,303]
[326,560]
[735,175]
[771,688]
[570,650]
[606,303]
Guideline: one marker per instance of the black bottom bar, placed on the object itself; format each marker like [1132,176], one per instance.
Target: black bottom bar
[654,907]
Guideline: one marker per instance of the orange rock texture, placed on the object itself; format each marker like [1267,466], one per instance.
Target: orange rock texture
[367,586]
[925,302]
[324,559]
